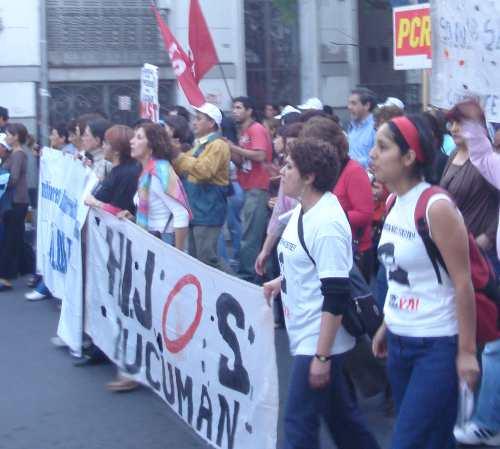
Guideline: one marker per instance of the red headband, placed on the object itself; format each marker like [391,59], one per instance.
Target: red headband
[410,134]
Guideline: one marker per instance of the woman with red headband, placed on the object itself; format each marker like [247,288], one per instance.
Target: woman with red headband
[429,330]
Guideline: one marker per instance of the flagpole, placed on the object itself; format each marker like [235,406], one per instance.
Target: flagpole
[225,80]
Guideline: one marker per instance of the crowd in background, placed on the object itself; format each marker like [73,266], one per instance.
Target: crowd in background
[290,198]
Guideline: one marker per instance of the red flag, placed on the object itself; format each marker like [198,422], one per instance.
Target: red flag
[204,56]
[180,63]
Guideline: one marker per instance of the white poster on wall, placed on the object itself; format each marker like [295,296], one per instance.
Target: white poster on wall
[200,339]
[63,184]
[466,53]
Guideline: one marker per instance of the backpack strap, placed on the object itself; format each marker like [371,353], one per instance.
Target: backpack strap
[389,204]
[300,231]
[423,229]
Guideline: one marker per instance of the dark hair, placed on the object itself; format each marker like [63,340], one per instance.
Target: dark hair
[247,102]
[158,140]
[323,128]
[180,127]
[84,119]
[19,130]
[308,115]
[71,126]
[427,142]
[456,113]
[317,157]
[273,105]
[118,137]
[437,125]
[385,113]
[140,122]
[291,131]
[291,117]
[4,113]
[182,111]
[99,127]
[327,109]
[62,131]
[365,96]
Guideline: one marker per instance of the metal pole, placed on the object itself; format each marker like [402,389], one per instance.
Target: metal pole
[44,77]
[225,81]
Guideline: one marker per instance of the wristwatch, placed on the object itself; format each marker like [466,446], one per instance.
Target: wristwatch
[323,358]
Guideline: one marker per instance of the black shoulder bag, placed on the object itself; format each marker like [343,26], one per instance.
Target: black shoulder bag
[362,315]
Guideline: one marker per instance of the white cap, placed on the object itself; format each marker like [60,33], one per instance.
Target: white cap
[312,103]
[392,101]
[212,111]
[3,141]
[287,110]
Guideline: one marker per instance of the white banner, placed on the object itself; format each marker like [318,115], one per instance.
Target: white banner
[150,105]
[61,215]
[201,339]
[466,53]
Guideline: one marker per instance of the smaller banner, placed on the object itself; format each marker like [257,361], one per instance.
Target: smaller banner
[412,37]
[64,183]
[466,49]
[200,339]
[150,105]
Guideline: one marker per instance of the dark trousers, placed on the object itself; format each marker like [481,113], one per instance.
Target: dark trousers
[334,404]
[13,241]
[423,377]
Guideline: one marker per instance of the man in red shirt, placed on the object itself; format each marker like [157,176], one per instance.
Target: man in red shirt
[252,156]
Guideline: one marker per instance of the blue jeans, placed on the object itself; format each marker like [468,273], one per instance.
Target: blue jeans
[424,381]
[334,404]
[381,285]
[254,218]
[487,414]
[233,221]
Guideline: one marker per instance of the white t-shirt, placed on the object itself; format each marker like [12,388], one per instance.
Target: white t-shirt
[164,209]
[327,235]
[416,304]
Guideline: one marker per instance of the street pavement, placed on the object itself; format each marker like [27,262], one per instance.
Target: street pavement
[47,403]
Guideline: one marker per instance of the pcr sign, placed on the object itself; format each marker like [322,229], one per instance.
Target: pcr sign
[412,37]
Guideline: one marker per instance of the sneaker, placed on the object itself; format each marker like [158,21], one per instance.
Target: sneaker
[35,296]
[58,342]
[471,433]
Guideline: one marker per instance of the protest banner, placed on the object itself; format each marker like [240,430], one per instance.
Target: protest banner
[199,338]
[466,54]
[150,105]
[412,37]
[63,184]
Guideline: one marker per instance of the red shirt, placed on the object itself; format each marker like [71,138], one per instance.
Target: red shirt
[252,174]
[354,192]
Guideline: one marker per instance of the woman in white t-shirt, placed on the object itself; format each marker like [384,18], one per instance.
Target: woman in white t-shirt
[315,255]
[429,326]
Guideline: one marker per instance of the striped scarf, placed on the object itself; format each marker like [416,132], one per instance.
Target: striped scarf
[171,186]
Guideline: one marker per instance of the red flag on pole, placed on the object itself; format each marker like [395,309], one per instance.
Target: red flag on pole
[180,63]
[204,56]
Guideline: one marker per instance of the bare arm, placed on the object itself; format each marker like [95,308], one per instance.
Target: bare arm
[450,235]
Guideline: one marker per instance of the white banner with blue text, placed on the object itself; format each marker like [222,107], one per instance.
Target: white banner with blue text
[63,184]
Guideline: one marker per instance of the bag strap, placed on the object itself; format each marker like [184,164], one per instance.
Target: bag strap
[389,204]
[300,230]
[423,229]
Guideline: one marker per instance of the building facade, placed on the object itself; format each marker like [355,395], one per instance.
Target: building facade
[274,50]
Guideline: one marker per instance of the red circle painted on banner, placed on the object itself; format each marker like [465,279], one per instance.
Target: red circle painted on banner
[180,343]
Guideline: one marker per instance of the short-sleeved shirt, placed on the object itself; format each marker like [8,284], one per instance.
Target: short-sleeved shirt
[327,236]
[252,174]
[416,305]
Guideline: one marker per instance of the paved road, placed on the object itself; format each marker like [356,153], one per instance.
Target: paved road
[47,403]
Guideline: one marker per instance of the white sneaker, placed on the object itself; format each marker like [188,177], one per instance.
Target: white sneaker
[471,433]
[35,296]
[57,341]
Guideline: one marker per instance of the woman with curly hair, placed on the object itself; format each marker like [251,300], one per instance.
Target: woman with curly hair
[315,291]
